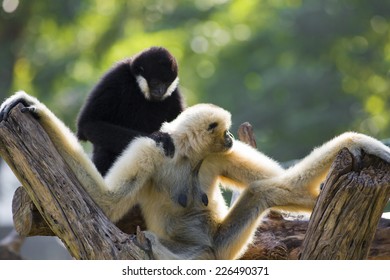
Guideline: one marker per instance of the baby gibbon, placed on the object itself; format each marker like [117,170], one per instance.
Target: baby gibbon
[174,174]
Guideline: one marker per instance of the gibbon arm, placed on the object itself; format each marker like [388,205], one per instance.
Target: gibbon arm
[244,164]
[132,171]
[241,165]
[309,173]
[297,187]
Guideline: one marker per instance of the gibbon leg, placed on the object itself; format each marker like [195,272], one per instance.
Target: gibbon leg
[294,189]
[238,228]
[311,171]
[130,174]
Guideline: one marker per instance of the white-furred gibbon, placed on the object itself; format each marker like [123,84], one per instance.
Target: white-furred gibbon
[173,175]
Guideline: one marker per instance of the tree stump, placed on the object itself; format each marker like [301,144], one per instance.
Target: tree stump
[348,209]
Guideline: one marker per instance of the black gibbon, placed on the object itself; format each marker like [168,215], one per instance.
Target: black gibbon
[132,99]
[174,176]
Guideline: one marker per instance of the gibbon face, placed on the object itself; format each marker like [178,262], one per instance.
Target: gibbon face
[221,140]
[156,72]
[201,129]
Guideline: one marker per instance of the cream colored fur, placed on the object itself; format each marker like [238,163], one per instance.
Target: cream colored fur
[144,175]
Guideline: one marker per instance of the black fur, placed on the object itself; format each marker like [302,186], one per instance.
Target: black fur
[116,110]
[166,140]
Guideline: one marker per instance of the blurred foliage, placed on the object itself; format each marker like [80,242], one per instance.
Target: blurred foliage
[300,71]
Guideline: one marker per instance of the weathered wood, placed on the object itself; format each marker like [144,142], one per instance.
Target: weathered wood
[27,219]
[10,246]
[245,134]
[66,207]
[29,222]
[279,238]
[348,209]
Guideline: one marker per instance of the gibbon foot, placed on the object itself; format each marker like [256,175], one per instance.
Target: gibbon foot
[361,144]
[32,110]
[7,107]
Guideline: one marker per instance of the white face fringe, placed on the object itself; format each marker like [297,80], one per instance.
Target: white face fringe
[143,84]
[171,88]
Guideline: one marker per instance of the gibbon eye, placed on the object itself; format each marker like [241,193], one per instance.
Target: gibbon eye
[212,126]
[140,69]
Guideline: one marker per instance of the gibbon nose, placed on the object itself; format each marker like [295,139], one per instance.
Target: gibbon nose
[158,94]
[228,136]
[158,89]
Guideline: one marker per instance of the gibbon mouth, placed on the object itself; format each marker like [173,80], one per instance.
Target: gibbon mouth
[157,95]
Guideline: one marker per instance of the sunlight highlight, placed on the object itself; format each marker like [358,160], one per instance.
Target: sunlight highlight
[10,6]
